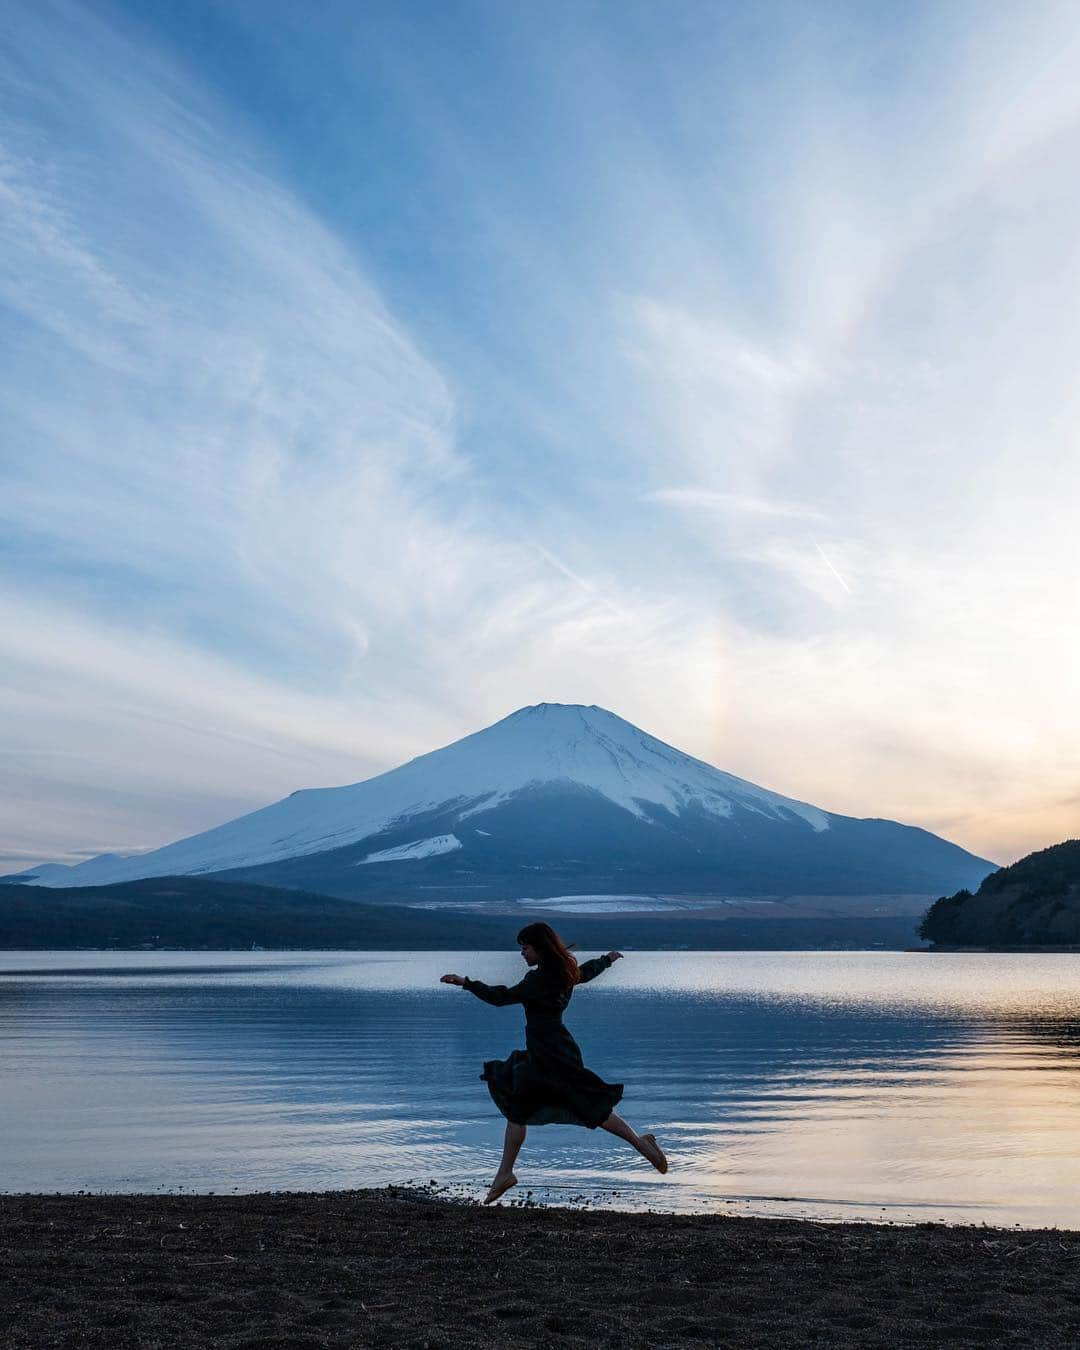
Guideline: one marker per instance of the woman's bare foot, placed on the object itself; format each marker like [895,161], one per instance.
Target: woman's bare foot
[654,1152]
[502,1183]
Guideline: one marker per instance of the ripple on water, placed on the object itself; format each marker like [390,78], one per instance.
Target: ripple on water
[826,1084]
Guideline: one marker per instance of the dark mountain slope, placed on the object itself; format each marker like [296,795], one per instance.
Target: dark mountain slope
[565,839]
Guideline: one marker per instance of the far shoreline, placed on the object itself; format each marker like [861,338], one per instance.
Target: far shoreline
[435,951]
[929,950]
[1005,950]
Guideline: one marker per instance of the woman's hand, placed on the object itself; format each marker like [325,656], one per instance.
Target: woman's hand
[614,956]
[451,979]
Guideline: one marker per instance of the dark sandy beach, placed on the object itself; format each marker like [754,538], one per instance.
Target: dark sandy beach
[401,1268]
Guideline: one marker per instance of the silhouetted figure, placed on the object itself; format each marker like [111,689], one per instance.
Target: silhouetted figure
[547,1083]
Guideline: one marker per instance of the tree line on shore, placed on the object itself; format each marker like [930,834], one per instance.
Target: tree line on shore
[199,914]
[1033,903]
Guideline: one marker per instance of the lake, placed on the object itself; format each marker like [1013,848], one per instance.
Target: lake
[888,1086]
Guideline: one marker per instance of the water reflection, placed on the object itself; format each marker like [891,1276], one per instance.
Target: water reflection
[841,1085]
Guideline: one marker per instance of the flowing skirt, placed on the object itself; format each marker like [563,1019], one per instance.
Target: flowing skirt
[548,1084]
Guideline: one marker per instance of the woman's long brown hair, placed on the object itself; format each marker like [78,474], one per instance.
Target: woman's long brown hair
[556,959]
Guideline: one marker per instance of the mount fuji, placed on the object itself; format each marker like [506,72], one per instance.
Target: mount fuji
[554,799]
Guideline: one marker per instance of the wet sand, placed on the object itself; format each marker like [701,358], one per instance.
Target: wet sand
[408,1268]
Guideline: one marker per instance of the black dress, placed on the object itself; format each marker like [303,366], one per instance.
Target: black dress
[546,1083]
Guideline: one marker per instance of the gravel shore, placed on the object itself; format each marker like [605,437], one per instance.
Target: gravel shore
[405,1268]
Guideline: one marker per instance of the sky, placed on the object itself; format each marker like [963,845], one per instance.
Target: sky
[369,371]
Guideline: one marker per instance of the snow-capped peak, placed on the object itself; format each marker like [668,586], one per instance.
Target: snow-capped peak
[549,743]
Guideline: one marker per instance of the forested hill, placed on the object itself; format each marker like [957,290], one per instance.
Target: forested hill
[1033,903]
[198,914]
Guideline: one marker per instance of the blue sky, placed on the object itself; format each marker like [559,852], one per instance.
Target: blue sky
[369,371]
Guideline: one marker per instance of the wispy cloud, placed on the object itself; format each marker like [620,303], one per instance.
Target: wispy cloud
[744,403]
[285,562]
[733,503]
[829,564]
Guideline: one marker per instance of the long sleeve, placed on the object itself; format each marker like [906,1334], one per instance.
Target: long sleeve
[588,970]
[499,995]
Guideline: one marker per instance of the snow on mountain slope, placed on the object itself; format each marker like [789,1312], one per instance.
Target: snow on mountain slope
[545,744]
[419,848]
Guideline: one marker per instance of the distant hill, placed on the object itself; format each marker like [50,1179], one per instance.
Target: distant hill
[1033,903]
[555,799]
[197,914]
[194,912]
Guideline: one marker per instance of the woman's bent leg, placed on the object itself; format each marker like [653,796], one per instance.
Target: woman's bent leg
[645,1144]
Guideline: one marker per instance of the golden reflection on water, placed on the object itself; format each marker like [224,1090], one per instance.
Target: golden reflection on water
[989,1132]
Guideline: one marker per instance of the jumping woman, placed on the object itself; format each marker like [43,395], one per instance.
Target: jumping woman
[547,1083]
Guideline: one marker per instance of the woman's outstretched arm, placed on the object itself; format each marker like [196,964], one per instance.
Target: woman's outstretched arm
[496,994]
[588,970]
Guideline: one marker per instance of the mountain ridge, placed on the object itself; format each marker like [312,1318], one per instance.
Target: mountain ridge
[569,791]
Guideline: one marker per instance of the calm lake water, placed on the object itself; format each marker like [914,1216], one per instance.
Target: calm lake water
[837,1085]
